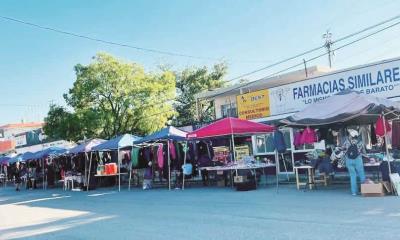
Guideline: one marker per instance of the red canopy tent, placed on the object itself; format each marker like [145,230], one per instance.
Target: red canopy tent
[230,126]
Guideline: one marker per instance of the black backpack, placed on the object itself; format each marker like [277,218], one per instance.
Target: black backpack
[352,151]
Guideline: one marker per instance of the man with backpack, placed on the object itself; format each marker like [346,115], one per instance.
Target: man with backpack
[354,148]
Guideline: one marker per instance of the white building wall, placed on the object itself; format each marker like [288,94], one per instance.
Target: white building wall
[218,102]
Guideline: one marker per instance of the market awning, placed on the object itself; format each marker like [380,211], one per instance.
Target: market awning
[15,159]
[341,108]
[51,151]
[122,141]
[28,156]
[230,126]
[4,160]
[86,146]
[170,133]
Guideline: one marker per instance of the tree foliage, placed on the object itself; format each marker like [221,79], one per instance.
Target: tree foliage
[112,97]
[192,81]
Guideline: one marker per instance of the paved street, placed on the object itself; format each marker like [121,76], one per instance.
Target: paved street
[197,213]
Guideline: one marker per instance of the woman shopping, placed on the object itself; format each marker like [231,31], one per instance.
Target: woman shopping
[354,148]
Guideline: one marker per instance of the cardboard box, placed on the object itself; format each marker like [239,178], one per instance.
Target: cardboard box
[372,190]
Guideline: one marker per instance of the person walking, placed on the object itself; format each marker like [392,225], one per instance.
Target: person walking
[17,175]
[354,149]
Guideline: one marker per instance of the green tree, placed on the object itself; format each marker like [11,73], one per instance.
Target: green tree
[112,97]
[192,81]
[61,124]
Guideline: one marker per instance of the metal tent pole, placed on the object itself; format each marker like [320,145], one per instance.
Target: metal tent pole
[119,171]
[86,158]
[277,170]
[90,167]
[43,173]
[169,167]
[386,142]
[184,163]
[233,152]
[130,172]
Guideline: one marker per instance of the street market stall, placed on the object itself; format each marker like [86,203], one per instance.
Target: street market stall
[234,157]
[114,145]
[338,114]
[84,149]
[169,137]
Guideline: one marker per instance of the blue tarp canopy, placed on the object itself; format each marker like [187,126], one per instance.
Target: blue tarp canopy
[168,133]
[122,141]
[4,160]
[51,151]
[27,156]
[15,159]
[87,146]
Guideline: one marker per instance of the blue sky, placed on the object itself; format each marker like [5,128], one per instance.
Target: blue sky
[36,66]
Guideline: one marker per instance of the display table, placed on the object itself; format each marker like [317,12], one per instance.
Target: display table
[235,167]
[310,176]
[116,175]
[238,167]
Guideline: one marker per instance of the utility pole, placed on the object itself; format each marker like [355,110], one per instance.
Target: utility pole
[328,44]
[305,67]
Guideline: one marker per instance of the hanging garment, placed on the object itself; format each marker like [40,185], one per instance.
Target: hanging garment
[308,136]
[135,157]
[160,156]
[178,162]
[172,150]
[279,142]
[330,139]
[323,134]
[374,140]
[178,149]
[269,142]
[380,130]
[342,136]
[210,150]
[365,134]
[297,139]
[147,153]
[396,135]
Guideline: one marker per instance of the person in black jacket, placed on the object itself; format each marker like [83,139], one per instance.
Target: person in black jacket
[17,175]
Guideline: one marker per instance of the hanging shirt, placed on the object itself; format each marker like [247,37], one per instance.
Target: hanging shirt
[160,156]
[308,136]
[374,140]
[395,134]
[178,150]
[147,154]
[172,150]
[279,142]
[365,135]
[380,130]
[135,157]
[297,139]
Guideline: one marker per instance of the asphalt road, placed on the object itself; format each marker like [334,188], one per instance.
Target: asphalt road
[197,213]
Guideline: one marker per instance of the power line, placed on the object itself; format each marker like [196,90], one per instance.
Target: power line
[108,42]
[316,57]
[314,49]
[169,53]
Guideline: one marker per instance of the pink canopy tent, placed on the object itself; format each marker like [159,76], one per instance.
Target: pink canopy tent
[230,126]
